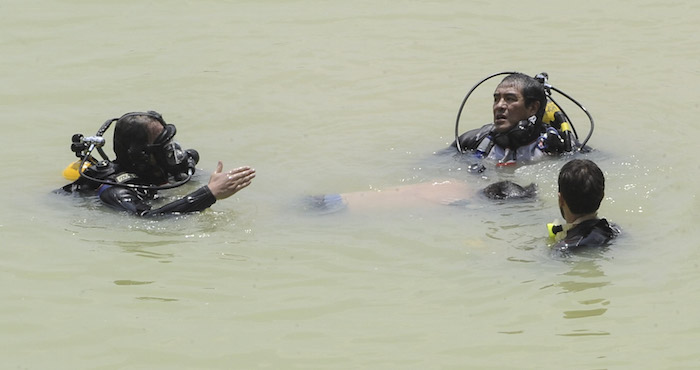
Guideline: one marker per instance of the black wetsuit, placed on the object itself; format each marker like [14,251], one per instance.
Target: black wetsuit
[508,147]
[590,233]
[135,200]
[471,139]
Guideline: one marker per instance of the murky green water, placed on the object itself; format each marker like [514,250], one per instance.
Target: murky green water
[324,97]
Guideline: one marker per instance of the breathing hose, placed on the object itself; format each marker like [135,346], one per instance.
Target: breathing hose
[542,77]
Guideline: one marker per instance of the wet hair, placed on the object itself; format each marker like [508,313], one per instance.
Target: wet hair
[131,137]
[531,89]
[582,185]
[509,190]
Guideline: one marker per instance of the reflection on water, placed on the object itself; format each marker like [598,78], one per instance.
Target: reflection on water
[131,282]
[157,299]
[324,97]
[141,250]
[233,257]
[587,274]
[586,287]
[578,314]
[584,333]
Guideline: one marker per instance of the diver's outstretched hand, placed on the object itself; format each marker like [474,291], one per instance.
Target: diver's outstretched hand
[225,184]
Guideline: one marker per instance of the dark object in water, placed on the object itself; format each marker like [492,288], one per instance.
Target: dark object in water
[509,190]
[476,168]
[324,204]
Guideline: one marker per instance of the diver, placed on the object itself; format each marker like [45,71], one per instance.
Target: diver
[147,160]
[527,125]
[581,190]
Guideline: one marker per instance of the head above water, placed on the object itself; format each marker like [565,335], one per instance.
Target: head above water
[143,143]
[133,133]
[517,98]
[581,186]
[509,190]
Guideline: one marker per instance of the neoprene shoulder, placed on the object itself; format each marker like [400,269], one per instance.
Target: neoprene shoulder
[470,140]
[591,233]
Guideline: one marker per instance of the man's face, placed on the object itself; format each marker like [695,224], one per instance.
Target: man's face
[509,107]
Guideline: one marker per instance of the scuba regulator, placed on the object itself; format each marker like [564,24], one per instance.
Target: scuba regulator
[555,120]
[169,157]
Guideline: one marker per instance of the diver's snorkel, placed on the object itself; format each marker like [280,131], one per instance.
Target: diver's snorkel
[180,163]
[566,127]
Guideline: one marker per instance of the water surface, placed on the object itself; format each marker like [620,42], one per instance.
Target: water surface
[325,97]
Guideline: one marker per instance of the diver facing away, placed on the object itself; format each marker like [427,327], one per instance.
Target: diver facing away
[148,160]
[581,190]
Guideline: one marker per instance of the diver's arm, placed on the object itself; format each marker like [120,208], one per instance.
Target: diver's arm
[123,199]
[221,186]
[224,184]
[129,200]
[198,200]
